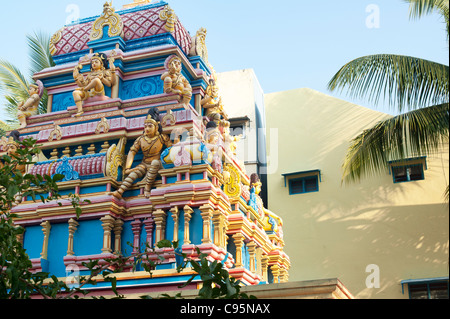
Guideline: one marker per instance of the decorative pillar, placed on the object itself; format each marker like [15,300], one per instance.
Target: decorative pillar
[264,265]
[207,213]
[276,273]
[73,226]
[239,243]
[136,226]
[148,226]
[108,225]
[174,211]
[188,212]
[46,230]
[252,253]
[160,221]
[118,226]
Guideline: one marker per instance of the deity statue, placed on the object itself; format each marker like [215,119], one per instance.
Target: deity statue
[229,140]
[152,143]
[255,183]
[30,106]
[212,137]
[212,102]
[10,145]
[174,81]
[92,84]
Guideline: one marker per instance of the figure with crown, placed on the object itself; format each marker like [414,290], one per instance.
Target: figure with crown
[29,107]
[151,143]
[93,83]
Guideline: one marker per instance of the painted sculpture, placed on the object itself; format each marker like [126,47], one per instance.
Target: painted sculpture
[152,143]
[93,83]
[229,140]
[174,81]
[212,102]
[30,106]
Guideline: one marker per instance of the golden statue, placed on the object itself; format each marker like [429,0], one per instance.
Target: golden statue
[92,84]
[212,102]
[174,81]
[151,143]
[30,106]
[10,146]
[229,140]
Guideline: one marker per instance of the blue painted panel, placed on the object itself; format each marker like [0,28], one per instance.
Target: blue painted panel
[196,228]
[92,189]
[62,101]
[169,227]
[57,249]
[141,88]
[32,241]
[127,239]
[88,239]
[196,177]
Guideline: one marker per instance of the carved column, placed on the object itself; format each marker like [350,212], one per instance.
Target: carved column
[252,253]
[160,221]
[73,226]
[108,225]
[118,226]
[276,273]
[207,213]
[174,211]
[136,227]
[188,212]
[148,226]
[239,243]
[264,265]
[46,230]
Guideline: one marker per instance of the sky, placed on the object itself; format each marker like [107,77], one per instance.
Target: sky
[289,44]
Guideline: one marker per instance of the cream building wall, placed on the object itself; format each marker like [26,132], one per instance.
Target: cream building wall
[342,231]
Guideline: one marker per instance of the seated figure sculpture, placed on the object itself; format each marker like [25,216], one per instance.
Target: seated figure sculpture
[152,143]
[174,81]
[30,106]
[93,83]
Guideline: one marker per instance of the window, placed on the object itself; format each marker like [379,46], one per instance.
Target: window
[435,288]
[303,185]
[408,170]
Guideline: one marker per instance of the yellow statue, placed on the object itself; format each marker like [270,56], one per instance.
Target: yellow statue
[30,106]
[92,84]
[229,140]
[10,146]
[174,81]
[212,102]
[151,143]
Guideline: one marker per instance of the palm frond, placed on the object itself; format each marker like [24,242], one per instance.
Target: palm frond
[402,81]
[12,81]
[419,8]
[39,51]
[416,133]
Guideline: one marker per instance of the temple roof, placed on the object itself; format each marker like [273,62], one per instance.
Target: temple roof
[139,22]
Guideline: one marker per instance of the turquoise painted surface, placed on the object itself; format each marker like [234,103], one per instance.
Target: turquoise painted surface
[57,249]
[88,239]
[32,241]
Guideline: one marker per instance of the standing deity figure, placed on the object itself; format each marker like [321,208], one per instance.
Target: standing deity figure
[152,143]
[30,106]
[174,81]
[212,102]
[229,140]
[93,83]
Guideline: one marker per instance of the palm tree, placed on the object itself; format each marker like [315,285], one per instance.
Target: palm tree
[416,87]
[14,84]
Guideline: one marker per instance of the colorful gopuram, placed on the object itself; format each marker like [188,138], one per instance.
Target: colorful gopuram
[136,125]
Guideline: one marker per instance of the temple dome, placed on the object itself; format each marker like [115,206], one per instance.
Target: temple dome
[139,22]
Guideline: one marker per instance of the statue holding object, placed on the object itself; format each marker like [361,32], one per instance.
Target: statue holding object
[174,81]
[93,83]
[152,143]
[30,106]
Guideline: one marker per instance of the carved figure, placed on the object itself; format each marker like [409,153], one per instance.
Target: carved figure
[174,81]
[30,106]
[212,102]
[229,140]
[92,84]
[10,145]
[152,143]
